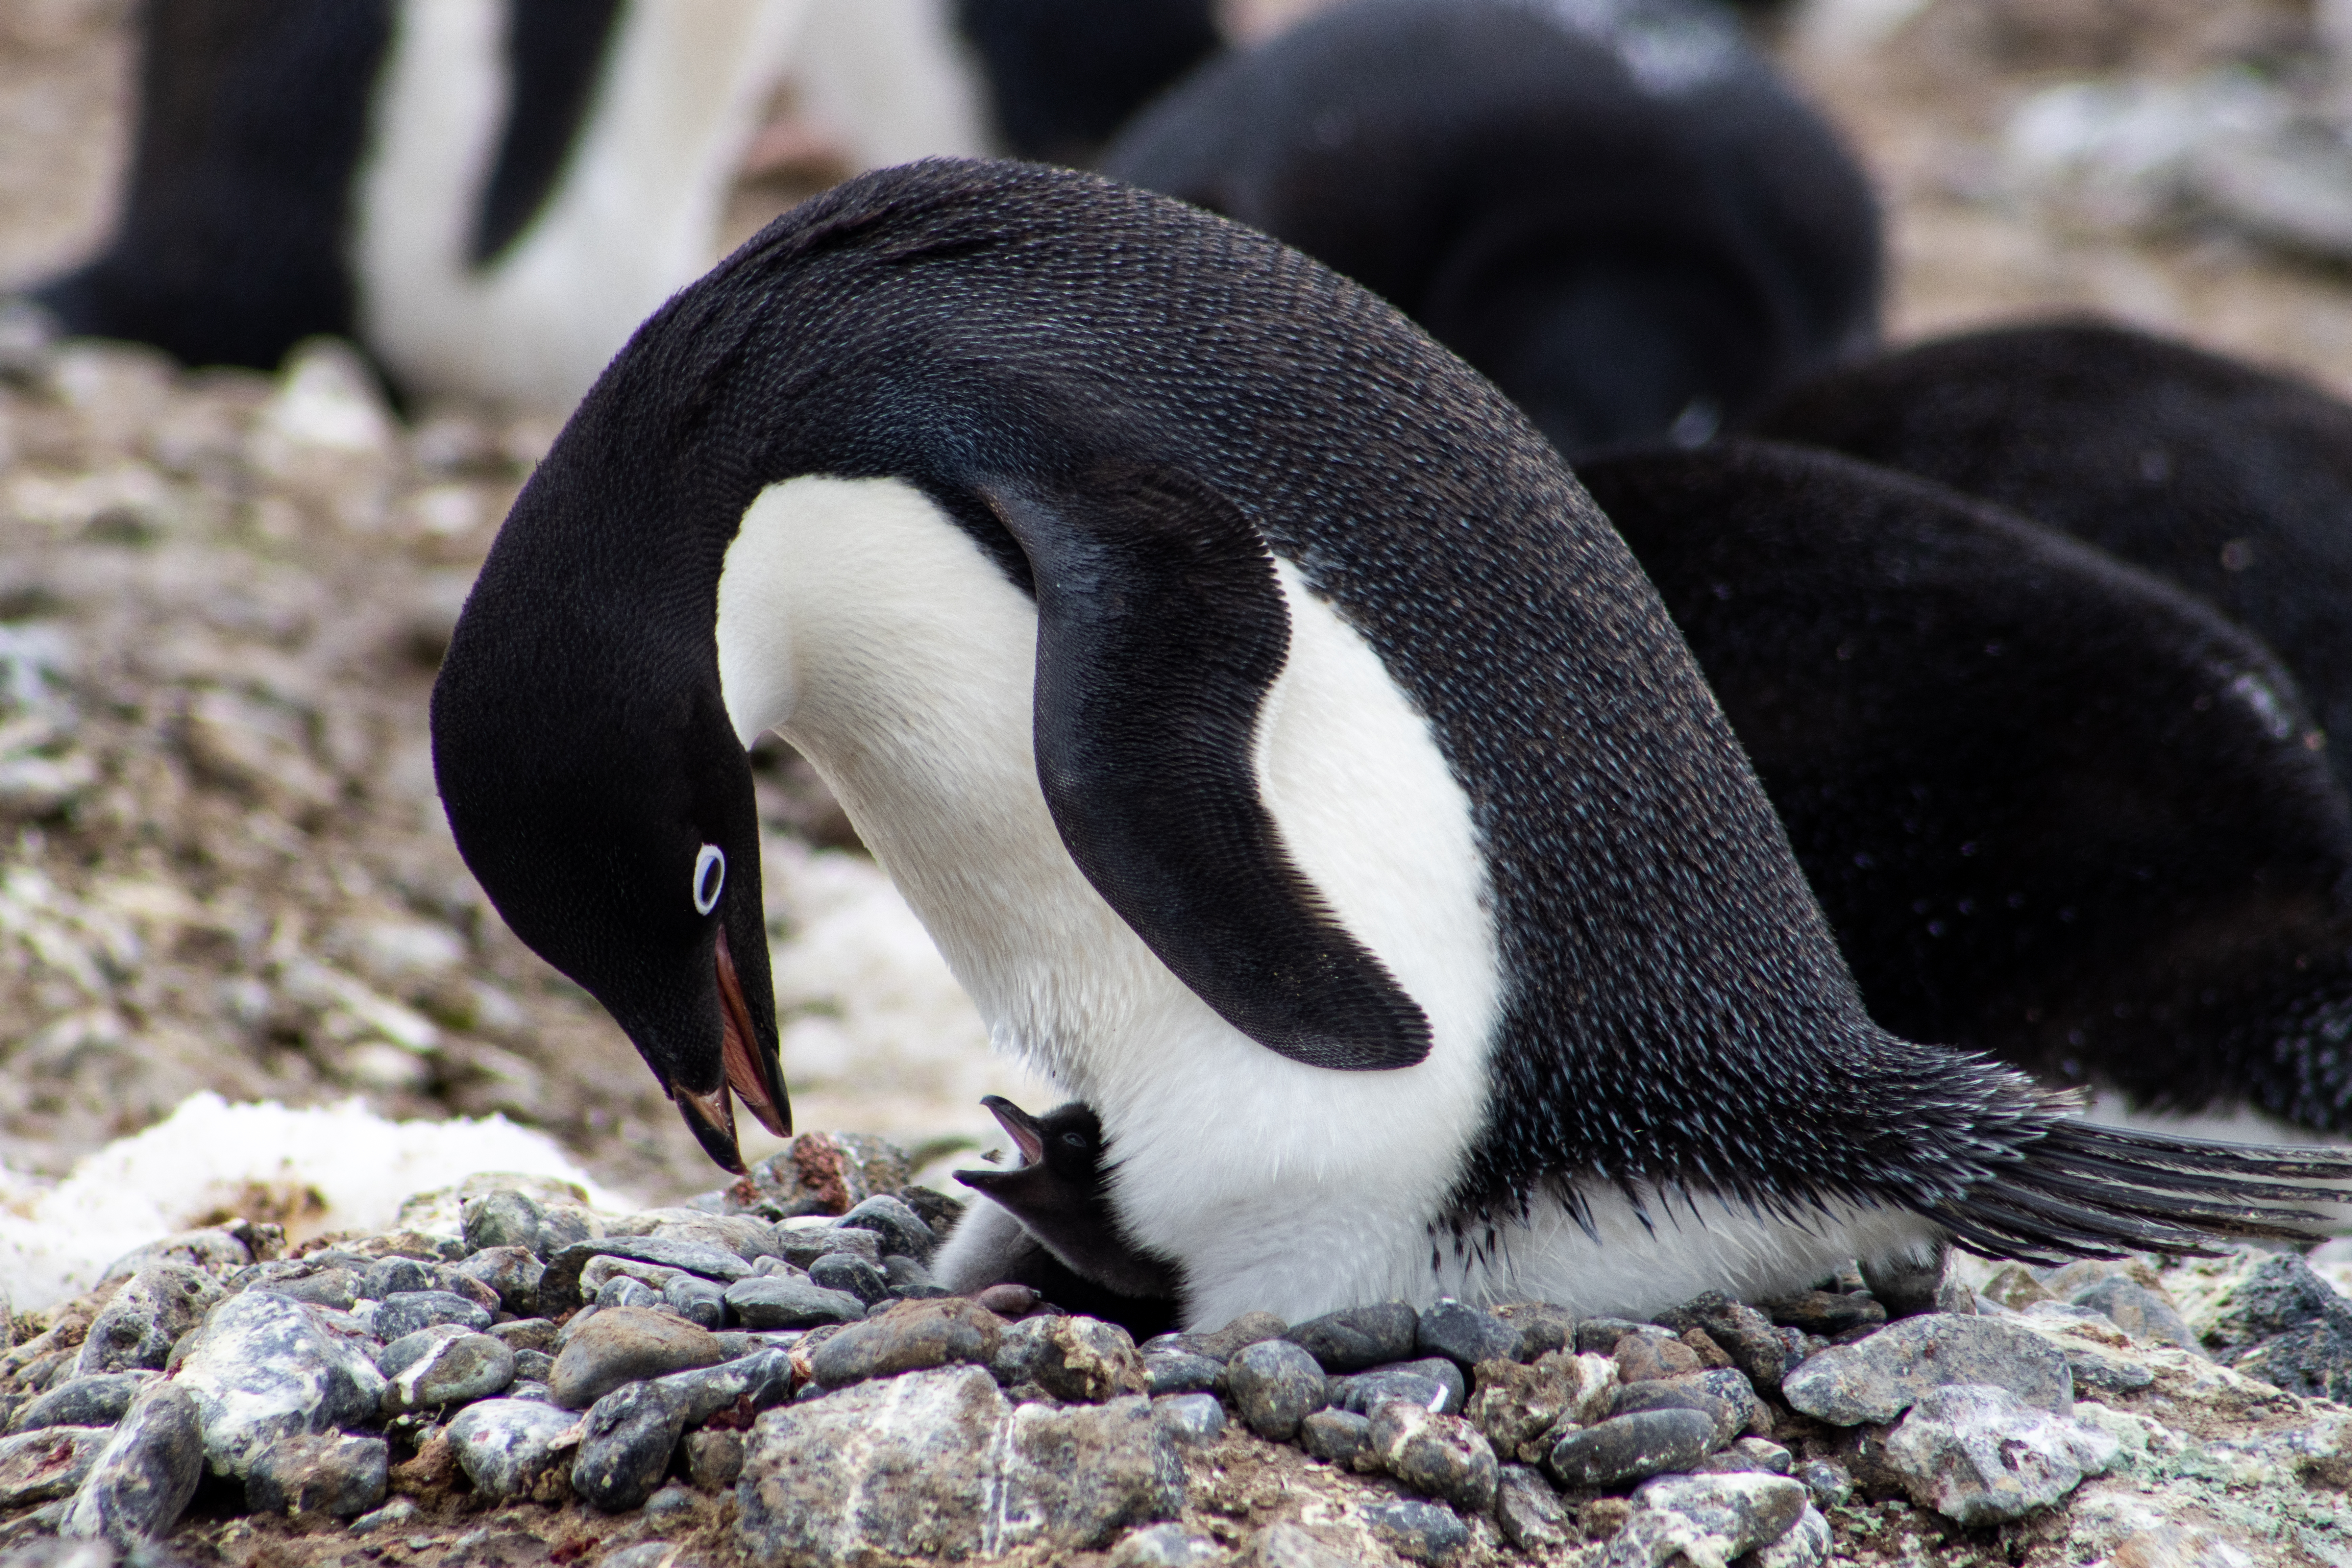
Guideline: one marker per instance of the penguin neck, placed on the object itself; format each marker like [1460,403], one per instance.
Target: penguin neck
[856,620]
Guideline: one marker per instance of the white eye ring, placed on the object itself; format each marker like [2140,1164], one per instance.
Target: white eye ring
[709,877]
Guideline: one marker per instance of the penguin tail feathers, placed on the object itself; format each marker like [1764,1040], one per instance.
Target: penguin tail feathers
[2082,1190]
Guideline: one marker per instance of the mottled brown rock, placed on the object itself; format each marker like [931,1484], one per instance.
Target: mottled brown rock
[911,1336]
[622,1344]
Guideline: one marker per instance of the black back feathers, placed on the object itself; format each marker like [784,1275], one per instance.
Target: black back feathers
[1617,211]
[2053,808]
[2231,482]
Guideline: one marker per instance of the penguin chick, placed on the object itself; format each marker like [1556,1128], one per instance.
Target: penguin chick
[1060,1193]
[1279,745]
[1617,211]
[2054,808]
[2233,483]
[1065,74]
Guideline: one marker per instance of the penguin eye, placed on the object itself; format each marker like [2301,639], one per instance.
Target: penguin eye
[710,877]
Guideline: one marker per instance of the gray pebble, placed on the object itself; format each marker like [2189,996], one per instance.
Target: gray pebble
[146,1317]
[97,1400]
[785,1303]
[558,1287]
[1740,1331]
[1981,1455]
[1464,1334]
[390,1516]
[1543,1327]
[263,1366]
[528,1389]
[525,1334]
[537,1366]
[802,1241]
[390,1277]
[625,1291]
[902,1230]
[908,1275]
[1433,1383]
[647,1555]
[736,1342]
[1441,1456]
[1724,1395]
[510,1272]
[36,1467]
[670,1501]
[1335,1437]
[507,1446]
[442,1366]
[1629,1447]
[142,1480]
[1830,1483]
[1193,1419]
[1828,1313]
[398,1316]
[696,1300]
[1354,1338]
[851,1275]
[331,1473]
[1275,1384]
[622,1344]
[1599,1336]
[713,1460]
[2137,1312]
[1424,1531]
[915,1336]
[624,1447]
[502,1219]
[1179,1372]
[315,1279]
[1167,1545]
[1531,1515]
[765,1379]
[1878,1378]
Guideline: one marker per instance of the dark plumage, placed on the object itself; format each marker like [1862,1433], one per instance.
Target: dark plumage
[2053,808]
[1617,211]
[231,246]
[2232,482]
[1103,433]
[1061,1194]
[1063,75]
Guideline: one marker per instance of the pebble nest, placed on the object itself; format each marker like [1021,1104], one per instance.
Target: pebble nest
[768,1374]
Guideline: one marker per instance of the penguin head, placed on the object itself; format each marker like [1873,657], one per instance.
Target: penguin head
[1057,1188]
[600,795]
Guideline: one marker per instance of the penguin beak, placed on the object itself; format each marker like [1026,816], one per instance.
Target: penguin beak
[711,1118]
[1019,1126]
[752,1073]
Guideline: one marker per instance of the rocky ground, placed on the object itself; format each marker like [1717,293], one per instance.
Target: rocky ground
[769,1375]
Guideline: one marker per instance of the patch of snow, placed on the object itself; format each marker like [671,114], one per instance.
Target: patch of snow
[342,1167]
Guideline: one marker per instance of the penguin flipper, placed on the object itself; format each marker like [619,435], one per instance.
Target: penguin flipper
[1160,628]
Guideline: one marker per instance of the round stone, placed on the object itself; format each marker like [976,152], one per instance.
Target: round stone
[1277,1384]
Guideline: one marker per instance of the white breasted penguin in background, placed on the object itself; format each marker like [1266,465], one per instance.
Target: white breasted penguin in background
[1280,746]
[1614,208]
[2232,482]
[487,194]
[2054,807]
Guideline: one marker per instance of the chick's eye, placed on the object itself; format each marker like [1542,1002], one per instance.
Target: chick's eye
[709,877]
[1075,1140]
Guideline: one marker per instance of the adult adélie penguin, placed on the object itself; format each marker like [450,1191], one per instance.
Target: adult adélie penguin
[1281,748]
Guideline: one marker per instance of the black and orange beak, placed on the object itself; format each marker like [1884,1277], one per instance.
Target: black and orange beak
[753,1072]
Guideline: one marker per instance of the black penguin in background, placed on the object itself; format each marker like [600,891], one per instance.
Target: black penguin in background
[1063,75]
[489,195]
[1048,1222]
[1617,210]
[2053,808]
[2231,482]
[1281,748]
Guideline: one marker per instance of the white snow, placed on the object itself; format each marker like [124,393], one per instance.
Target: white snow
[209,1158]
